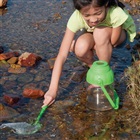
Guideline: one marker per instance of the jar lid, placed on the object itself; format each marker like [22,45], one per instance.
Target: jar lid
[100,74]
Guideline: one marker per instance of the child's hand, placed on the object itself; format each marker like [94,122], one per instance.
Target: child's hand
[49,98]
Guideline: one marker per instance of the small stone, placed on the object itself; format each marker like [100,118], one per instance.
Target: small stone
[57,16]
[51,62]
[33,93]
[5,56]
[15,66]
[17,70]
[11,99]
[28,59]
[7,112]
[12,60]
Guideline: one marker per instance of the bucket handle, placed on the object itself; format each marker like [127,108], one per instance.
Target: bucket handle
[114,104]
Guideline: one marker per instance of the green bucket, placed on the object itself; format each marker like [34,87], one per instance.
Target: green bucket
[101,74]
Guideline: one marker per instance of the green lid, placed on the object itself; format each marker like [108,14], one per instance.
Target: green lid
[100,74]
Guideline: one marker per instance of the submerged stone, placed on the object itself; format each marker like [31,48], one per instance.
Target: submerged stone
[7,112]
[17,70]
[33,93]
[11,99]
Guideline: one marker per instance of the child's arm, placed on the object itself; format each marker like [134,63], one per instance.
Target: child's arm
[60,60]
[116,33]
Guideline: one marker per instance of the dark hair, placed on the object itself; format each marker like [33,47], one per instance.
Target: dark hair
[79,4]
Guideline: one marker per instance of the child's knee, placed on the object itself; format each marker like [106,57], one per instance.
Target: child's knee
[79,49]
[102,34]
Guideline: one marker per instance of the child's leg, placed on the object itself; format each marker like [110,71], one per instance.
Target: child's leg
[103,45]
[83,48]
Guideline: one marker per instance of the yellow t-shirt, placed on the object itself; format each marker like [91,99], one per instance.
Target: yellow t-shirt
[115,17]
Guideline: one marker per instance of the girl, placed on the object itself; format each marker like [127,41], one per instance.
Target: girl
[107,25]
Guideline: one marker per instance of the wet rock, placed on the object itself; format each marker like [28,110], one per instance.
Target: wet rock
[33,93]
[61,106]
[17,70]
[25,78]
[15,66]
[11,99]
[12,60]
[3,3]
[8,55]
[1,49]
[28,59]
[9,85]
[78,76]
[7,112]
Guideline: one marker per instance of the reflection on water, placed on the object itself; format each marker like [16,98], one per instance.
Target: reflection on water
[29,26]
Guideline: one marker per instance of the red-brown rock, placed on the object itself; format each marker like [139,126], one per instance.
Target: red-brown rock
[28,59]
[5,56]
[11,99]
[33,93]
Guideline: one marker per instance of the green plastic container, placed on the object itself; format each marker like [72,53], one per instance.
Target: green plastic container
[101,75]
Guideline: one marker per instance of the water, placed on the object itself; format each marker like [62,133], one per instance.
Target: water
[38,27]
[22,128]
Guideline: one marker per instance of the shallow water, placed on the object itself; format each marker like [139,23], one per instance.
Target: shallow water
[38,27]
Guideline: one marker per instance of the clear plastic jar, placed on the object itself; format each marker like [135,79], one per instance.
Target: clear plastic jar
[97,100]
